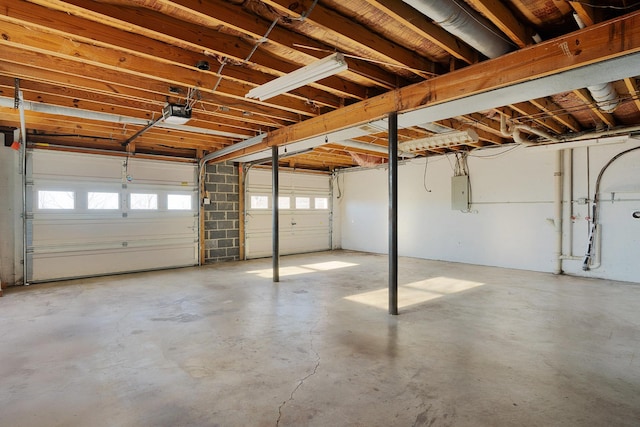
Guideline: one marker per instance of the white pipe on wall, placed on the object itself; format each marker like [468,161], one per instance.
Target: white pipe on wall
[569,217]
[557,220]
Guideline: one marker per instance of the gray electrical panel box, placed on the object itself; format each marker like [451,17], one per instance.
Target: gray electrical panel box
[460,193]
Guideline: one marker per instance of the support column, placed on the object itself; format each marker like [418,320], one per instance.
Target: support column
[393,213]
[276,213]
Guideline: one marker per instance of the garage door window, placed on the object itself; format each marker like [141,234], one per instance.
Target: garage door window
[102,200]
[259,202]
[179,202]
[145,201]
[48,199]
[303,203]
[321,203]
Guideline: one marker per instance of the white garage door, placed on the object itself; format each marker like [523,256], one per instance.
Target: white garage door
[92,215]
[305,213]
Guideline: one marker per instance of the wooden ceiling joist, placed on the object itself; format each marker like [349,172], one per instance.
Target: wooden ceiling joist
[500,15]
[349,34]
[634,93]
[532,114]
[603,116]
[556,113]
[96,72]
[413,19]
[597,43]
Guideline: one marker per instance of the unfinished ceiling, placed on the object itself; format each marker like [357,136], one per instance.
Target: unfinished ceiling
[96,74]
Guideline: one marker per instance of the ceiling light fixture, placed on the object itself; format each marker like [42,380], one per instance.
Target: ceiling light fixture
[318,70]
[176,114]
[441,140]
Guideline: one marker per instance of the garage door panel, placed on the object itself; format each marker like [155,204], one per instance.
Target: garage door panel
[120,260]
[77,239]
[301,229]
[54,164]
[75,230]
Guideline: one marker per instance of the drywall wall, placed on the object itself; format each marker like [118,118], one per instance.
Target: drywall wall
[510,220]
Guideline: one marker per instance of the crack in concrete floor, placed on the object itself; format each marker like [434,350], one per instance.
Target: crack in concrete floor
[302,380]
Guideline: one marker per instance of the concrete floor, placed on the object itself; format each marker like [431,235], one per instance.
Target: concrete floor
[223,346]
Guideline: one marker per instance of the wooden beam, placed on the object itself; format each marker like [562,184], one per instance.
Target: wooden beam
[84,100]
[219,17]
[534,114]
[500,15]
[415,20]
[156,93]
[128,65]
[481,121]
[109,132]
[183,156]
[557,113]
[135,42]
[613,39]
[586,97]
[241,209]
[632,88]
[75,75]
[587,14]
[349,34]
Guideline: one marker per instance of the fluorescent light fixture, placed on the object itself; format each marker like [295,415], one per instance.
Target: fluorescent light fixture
[176,114]
[441,140]
[318,70]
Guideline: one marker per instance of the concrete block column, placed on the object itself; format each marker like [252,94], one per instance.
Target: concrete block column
[222,215]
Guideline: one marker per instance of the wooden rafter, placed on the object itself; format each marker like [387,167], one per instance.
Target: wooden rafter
[605,117]
[536,115]
[556,113]
[632,88]
[345,32]
[413,19]
[500,15]
[587,14]
[535,61]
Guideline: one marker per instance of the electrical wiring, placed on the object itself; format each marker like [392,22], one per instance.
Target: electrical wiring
[337,176]
[461,166]
[606,6]
[496,155]
[424,177]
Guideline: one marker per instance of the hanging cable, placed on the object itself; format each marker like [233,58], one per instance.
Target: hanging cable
[304,15]
[424,177]
[596,210]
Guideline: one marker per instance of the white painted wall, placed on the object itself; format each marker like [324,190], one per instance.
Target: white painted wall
[10,216]
[510,223]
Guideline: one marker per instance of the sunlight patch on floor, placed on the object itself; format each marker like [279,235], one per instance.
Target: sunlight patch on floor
[415,293]
[303,269]
[329,265]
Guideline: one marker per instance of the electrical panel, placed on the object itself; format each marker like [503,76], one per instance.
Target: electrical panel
[460,193]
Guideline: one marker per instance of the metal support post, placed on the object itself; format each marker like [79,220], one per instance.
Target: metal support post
[276,224]
[393,213]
